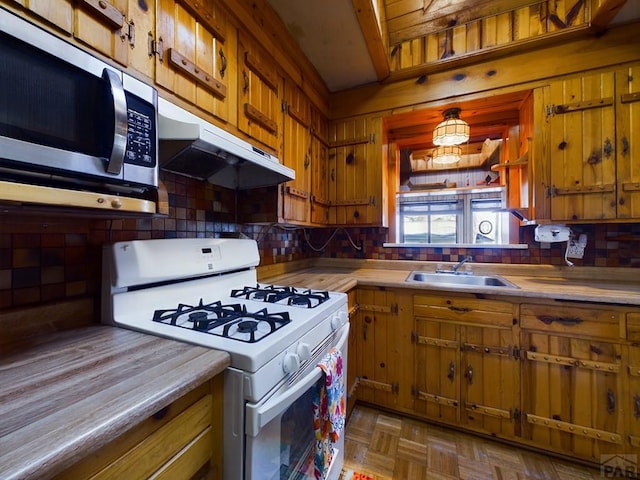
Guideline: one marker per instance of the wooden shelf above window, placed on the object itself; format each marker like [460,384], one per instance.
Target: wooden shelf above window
[523,161]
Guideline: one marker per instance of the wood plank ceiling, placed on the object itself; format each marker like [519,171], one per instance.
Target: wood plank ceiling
[351,54]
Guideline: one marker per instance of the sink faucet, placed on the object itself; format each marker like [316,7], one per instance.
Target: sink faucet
[460,263]
[454,268]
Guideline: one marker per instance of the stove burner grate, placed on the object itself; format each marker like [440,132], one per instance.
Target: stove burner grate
[228,321]
[306,298]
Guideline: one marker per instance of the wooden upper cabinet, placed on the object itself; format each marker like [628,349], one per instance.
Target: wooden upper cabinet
[591,146]
[192,54]
[355,171]
[319,168]
[582,148]
[260,88]
[59,13]
[296,154]
[104,26]
[628,141]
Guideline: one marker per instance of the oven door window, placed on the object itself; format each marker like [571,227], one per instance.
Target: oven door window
[285,447]
[280,440]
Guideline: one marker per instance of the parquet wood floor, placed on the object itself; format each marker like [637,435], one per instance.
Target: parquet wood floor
[387,446]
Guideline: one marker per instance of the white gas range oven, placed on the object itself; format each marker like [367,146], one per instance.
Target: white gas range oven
[205,291]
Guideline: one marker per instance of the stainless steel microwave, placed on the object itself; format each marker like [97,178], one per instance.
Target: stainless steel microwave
[66,117]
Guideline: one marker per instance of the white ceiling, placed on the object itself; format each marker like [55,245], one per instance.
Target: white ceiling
[329,34]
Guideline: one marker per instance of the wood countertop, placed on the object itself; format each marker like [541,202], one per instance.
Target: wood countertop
[65,394]
[586,284]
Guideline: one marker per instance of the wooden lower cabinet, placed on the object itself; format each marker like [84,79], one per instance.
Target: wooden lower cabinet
[573,379]
[352,354]
[382,336]
[631,400]
[180,441]
[490,379]
[437,360]
[560,376]
[466,365]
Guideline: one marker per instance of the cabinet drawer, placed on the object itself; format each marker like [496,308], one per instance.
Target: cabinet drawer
[163,445]
[464,309]
[633,327]
[173,443]
[571,320]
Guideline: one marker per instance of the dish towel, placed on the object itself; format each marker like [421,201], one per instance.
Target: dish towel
[328,410]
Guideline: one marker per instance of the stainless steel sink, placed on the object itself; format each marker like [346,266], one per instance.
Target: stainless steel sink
[451,279]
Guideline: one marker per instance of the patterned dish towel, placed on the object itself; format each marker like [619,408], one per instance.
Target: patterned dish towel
[328,410]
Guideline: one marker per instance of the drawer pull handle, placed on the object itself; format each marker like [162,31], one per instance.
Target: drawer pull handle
[459,309]
[160,414]
[548,320]
[636,402]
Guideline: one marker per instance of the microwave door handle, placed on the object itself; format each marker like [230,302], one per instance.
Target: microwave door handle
[272,408]
[120,122]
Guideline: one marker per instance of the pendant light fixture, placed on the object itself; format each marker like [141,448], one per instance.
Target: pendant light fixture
[446,155]
[452,130]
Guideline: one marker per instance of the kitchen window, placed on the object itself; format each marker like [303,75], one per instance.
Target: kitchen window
[461,216]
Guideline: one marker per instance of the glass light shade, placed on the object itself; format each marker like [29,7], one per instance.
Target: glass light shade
[452,130]
[446,155]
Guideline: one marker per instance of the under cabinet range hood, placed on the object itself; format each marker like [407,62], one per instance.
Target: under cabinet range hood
[191,146]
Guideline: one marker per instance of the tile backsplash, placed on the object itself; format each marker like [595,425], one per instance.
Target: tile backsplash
[46,257]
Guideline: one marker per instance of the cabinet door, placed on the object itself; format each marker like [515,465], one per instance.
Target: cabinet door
[631,403]
[380,342]
[352,364]
[319,168]
[55,12]
[260,87]
[297,155]
[444,377]
[355,176]
[437,369]
[632,400]
[194,61]
[490,376]
[628,144]
[582,148]
[571,394]
[103,26]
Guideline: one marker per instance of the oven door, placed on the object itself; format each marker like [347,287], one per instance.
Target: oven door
[281,439]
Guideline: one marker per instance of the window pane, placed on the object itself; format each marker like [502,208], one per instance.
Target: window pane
[444,228]
[414,228]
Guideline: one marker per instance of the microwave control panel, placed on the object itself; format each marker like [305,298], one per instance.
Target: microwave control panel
[141,133]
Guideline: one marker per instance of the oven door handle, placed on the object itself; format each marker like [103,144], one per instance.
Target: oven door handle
[261,415]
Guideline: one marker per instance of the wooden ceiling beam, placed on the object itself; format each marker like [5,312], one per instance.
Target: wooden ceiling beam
[604,14]
[374,36]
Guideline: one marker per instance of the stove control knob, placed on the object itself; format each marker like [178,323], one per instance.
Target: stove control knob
[304,351]
[338,320]
[290,362]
